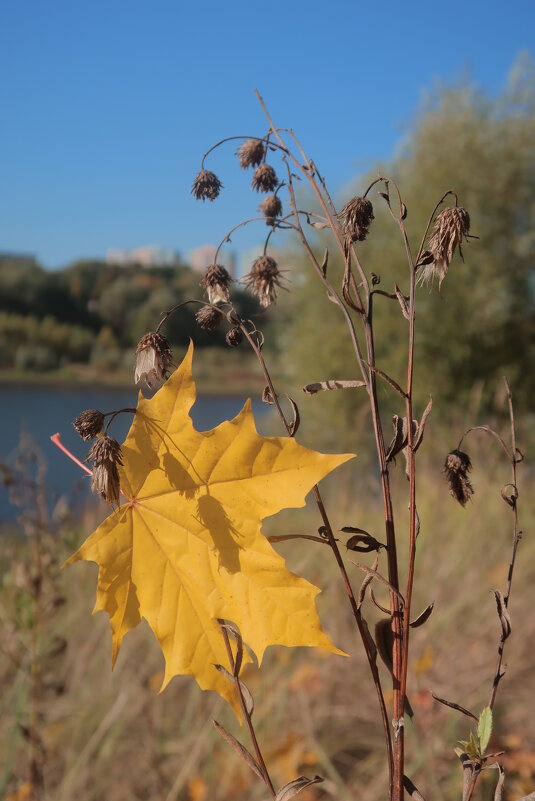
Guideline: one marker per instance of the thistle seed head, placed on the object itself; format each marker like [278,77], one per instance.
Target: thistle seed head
[356,218]
[216,281]
[234,337]
[451,225]
[271,208]
[456,467]
[105,453]
[208,318]
[263,280]
[206,186]
[264,179]
[251,153]
[89,423]
[153,359]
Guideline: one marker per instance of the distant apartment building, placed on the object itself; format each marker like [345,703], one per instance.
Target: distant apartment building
[147,256]
[202,257]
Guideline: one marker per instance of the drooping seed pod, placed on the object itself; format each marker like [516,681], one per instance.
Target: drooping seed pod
[264,178]
[105,453]
[234,337]
[456,467]
[263,280]
[206,186]
[449,229]
[271,208]
[216,281]
[208,318]
[89,423]
[251,153]
[356,218]
[153,359]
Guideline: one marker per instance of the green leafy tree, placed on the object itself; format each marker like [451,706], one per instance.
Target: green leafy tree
[484,323]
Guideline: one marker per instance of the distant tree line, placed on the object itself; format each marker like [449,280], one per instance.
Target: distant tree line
[93,312]
[482,325]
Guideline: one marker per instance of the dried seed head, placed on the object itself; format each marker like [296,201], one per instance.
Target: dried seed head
[153,359]
[263,280]
[356,217]
[89,423]
[271,207]
[251,153]
[451,225]
[208,318]
[206,186]
[105,453]
[264,179]
[217,281]
[234,337]
[456,467]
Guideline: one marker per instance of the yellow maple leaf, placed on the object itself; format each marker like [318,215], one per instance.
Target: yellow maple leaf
[187,548]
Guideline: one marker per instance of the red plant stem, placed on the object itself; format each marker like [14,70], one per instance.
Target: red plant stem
[412,500]
[395,611]
[399,701]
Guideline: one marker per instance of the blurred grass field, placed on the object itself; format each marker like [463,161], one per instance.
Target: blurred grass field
[111,736]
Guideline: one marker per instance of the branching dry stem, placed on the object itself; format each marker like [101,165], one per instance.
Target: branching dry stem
[369,646]
[355,300]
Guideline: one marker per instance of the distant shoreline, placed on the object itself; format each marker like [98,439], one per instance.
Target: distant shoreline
[60,380]
[211,382]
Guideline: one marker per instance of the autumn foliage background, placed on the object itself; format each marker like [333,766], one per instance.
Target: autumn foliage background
[111,736]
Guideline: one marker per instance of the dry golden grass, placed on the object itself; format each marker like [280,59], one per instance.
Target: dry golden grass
[111,737]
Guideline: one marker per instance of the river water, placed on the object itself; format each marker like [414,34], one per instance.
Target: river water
[42,411]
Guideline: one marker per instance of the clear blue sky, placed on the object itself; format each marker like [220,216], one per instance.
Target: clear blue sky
[108,105]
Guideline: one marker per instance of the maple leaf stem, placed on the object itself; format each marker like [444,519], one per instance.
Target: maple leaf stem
[56,439]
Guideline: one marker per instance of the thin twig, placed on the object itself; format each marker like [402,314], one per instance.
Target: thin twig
[247,716]
[516,540]
[488,430]
[285,537]
[333,295]
[380,578]
[230,138]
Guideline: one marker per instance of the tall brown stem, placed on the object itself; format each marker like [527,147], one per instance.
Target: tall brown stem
[308,171]
[369,646]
